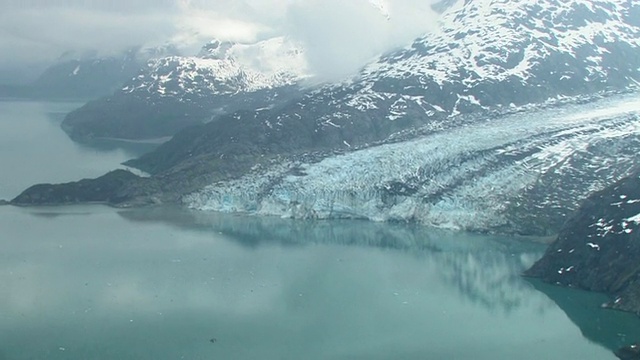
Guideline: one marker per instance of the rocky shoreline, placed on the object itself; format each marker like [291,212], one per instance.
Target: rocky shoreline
[631,352]
[599,247]
[109,189]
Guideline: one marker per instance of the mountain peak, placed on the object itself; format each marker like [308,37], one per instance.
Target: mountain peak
[216,50]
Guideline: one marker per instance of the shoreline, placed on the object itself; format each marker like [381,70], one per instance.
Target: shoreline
[151,141]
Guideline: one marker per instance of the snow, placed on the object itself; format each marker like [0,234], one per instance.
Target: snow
[594,246]
[267,64]
[489,41]
[634,219]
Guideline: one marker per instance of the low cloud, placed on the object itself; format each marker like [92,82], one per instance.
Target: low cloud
[339,36]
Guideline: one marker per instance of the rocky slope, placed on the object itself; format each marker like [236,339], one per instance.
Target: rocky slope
[174,92]
[485,57]
[599,247]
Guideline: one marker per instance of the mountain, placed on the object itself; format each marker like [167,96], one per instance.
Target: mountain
[174,92]
[492,123]
[86,76]
[443,6]
[599,247]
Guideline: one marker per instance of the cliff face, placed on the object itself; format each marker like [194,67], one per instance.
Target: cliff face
[599,247]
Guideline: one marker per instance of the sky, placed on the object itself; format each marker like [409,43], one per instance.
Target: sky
[338,35]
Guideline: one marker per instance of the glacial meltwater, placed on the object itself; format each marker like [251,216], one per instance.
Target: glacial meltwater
[93,282]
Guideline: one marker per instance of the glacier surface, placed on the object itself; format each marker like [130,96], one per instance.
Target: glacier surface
[519,173]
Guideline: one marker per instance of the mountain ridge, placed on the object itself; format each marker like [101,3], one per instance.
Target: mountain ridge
[410,94]
[175,92]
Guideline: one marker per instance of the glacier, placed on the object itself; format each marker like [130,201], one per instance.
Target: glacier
[519,173]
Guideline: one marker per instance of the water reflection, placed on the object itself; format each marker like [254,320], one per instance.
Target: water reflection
[610,328]
[34,149]
[483,269]
[161,284]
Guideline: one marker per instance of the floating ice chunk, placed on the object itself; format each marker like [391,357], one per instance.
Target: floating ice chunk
[634,219]
[594,246]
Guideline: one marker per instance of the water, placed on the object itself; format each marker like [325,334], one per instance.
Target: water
[34,149]
[91,282]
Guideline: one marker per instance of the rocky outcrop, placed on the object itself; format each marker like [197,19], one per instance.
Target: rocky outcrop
[599,247]
[631,352]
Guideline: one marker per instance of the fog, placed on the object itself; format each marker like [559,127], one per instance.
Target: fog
[339,36]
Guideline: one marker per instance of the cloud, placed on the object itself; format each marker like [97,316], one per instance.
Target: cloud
[338,35]
[31,35]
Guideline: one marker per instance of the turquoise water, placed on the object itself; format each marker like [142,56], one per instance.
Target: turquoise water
[34,149]
[91,282]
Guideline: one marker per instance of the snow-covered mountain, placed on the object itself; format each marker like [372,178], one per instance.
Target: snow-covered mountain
[498,52]
[463,128]
[457,162]
[177,91]
[222,68]
[488,55]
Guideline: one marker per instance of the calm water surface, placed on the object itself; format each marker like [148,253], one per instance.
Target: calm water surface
[91,282]
[34,149]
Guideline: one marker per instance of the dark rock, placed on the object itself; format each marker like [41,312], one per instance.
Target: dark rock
[631,352]
[3,202]
[109,188]
[599,247]
[131,117]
